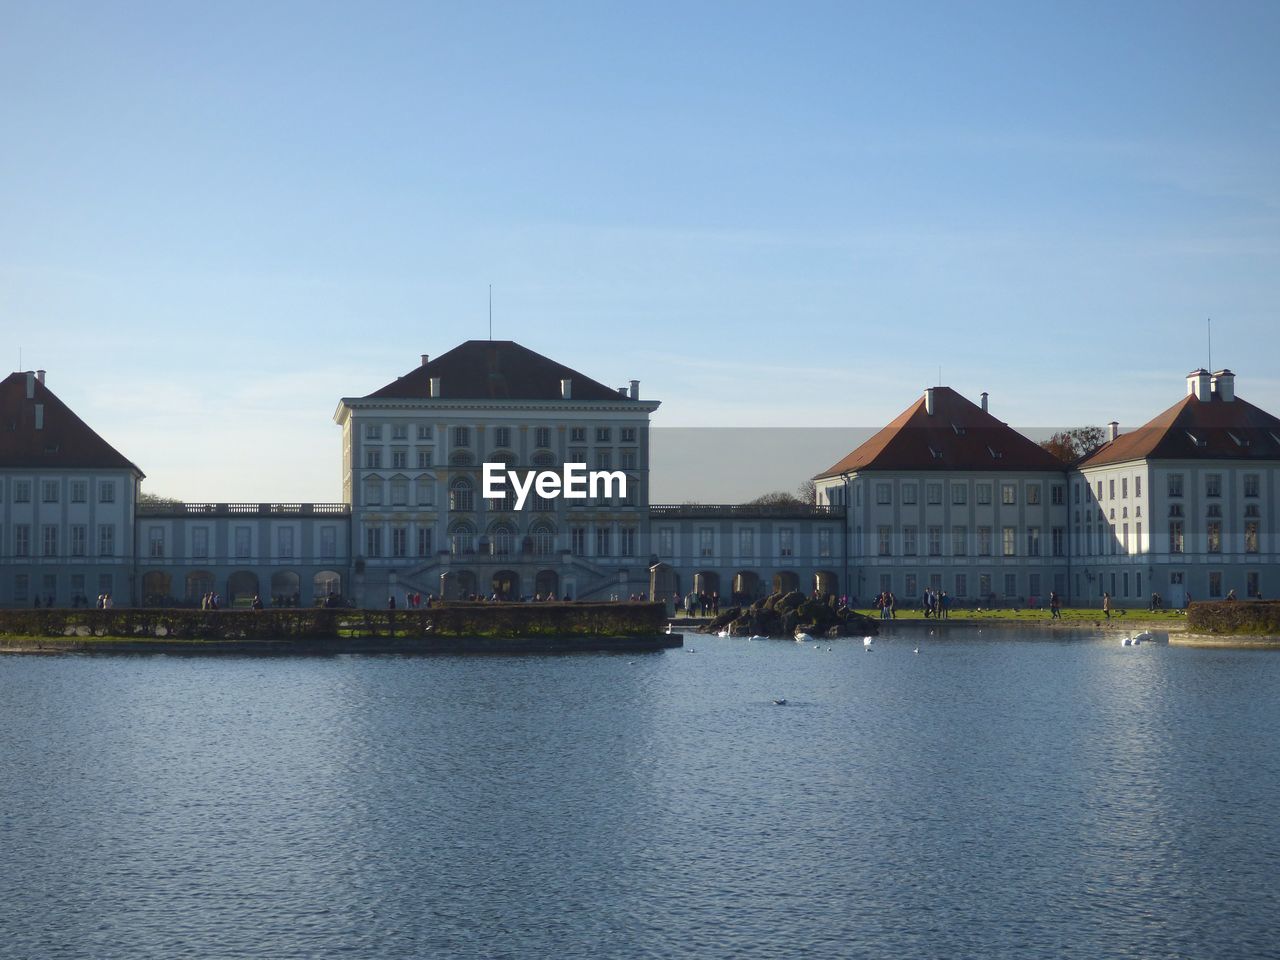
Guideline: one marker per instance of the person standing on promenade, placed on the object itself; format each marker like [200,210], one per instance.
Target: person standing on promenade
[1106,605]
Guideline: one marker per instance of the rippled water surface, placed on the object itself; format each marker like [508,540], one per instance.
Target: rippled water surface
[983,798]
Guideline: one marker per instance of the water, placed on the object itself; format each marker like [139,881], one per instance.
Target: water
[985,798]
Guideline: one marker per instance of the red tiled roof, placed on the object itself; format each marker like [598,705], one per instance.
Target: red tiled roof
[1213,429]
[958,435]
[64,443]
[495,370]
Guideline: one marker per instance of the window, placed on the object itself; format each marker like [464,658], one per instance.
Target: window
[49,491]
[1058,541]
[328,543]
[1033,494]
[1010,584]
[577,455]
[373,459]
[542,437]
[1008,494]
[462,539]
[425,431]
[502,436]
[50,540]
[399,459]
[79,540]
[959,494]
[666,542]
[1058,494]
[1124,538]
[578,541]
[1033,584]
[1176,543]
[1215,584]
[399,431]
[425,488]
[1124,488]
[544,540]
[984,585]
[1251,536]
[602,542]
[1111,489]
[107,491]
[1175,484]
[1137,486]
[746,542]
[425,541]
[908,494]
[1250,484]
[1033,541]
[543,504]
[933,493]
[79,491]
[373,541]
[200,543]
[1099,490]
[284,543]
[155,542]
[883,494]
[1009,541]
[984,494]
[462,436]
[106,540]
[628,459]
[603,435]
[399,541]
[824,542]
[910,585]
[1251,587]
[1213,485]
[706,541]
[578,435]
[627,542]
[425,457]
[399,493]
[604,460]
[21,586]
[628,434]
[1214,536]
[909,541]
[373,431]
[373,492]
[935,541]
[984,541]
[244,542]
[883,538]
[461,495]
[959,541]
[1076,494]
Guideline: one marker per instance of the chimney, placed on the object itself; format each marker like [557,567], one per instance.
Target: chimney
[434,390]
[1113,431]
[928,401]
[984,401]
[40,375]
[31,385]
[1198,383]
[566,389]
[622,391]
[1224,385]
[39,416]
[425,358]
[635,389]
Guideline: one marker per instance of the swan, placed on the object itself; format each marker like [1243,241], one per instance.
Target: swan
[780,701]
[866,641]
[723,633]
[916,650]
[1144,637]
[668,628]
[1126,641]
[756,636]
[802,637]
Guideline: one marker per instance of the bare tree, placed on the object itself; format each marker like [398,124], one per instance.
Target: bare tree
[1070,445]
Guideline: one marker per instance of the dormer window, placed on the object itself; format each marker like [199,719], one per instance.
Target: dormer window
[958,429]
[1239,441]
[1198,441]
[935,452]
[995,454]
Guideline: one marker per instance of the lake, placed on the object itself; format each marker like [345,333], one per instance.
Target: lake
[987,797]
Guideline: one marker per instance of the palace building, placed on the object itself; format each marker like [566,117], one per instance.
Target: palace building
[946,497]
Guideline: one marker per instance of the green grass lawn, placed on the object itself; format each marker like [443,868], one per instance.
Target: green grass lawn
[1080,615]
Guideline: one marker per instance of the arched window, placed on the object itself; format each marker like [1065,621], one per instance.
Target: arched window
[544,539]
[461,458]
[462,539]
[461,495]
[502,538]
[544,458]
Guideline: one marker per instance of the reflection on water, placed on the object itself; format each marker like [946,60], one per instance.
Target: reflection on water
[982,798]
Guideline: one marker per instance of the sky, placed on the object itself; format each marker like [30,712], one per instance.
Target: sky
[217,220]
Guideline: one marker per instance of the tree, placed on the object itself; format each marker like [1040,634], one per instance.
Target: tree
[808,492]
[778,498]
[156,500]
[1070,445]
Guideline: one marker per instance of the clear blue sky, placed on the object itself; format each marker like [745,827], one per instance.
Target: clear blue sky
[218,219]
